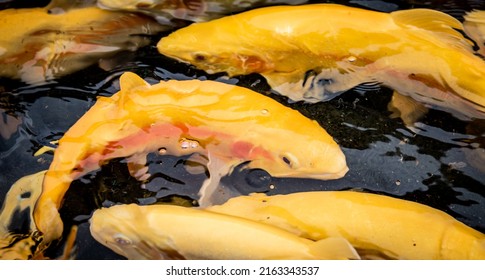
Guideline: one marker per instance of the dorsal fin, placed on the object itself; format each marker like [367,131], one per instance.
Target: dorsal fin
[443,24]
[130,80]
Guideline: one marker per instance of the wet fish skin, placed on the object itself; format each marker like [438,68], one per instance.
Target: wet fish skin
[397,228]
[175,232]
[37,45]
[216,120]
[192,10]
[415,52]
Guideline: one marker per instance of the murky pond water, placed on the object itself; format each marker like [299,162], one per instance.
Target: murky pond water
[439,162]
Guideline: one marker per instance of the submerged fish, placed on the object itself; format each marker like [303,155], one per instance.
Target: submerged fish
[175,232]
[18,239]
[315,52]
[37,45]
[474,25]
[393,227]
[227,124]
[192,10]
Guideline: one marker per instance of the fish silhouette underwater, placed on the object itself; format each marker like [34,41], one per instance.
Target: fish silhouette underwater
[316,52]
[225,125]
[38,45]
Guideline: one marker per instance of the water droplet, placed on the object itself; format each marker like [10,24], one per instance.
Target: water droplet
[352,58]
[162,151]
[188,144]
[265,112]
[398,182]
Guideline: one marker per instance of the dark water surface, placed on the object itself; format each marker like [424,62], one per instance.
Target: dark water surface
[440,162]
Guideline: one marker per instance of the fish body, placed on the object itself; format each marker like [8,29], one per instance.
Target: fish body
[38,45]
[193,10]
[315,52]
[397,228]
[227,124]
[175,232]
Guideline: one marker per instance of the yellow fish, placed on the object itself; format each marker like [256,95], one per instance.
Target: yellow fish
[390,227]
[315,52]
[18,236]
[175,232]
[227,124]
[474,26]
[36,45]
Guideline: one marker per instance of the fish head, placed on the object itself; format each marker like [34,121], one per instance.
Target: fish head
[214,48]
[125,230]
[293,146]
[308,159]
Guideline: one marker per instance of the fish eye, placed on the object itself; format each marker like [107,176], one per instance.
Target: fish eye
[200,56]
[121,239]
[289,160]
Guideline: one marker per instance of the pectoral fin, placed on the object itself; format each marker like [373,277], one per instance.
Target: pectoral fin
[334,248]
[406,108]
[212,192]
[137,166]
[317,85]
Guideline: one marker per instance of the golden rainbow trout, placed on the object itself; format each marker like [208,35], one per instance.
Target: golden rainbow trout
[226,124]
[376,225]
[164,11]
[176,232]
[37,45]
[315,52]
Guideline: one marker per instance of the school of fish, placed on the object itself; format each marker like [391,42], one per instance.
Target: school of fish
[222,126]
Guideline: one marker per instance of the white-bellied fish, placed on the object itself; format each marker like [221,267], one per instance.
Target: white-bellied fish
[176,232]
[226,124]
[376,225]
[315,52]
